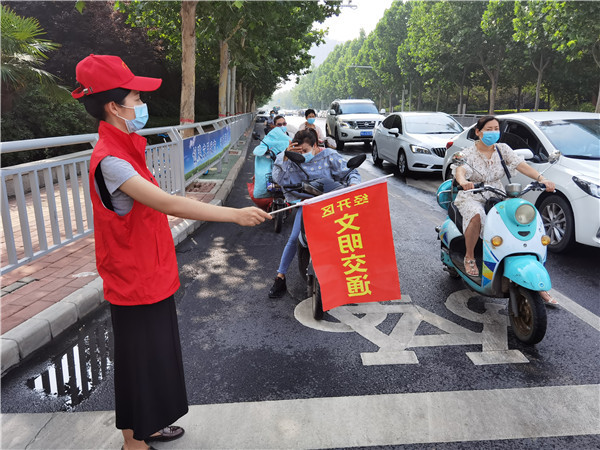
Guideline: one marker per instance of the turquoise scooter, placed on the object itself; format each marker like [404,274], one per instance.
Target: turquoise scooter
[511,255]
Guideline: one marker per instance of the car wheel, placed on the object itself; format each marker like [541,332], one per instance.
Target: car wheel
[402,164]
[557,216]
[338,144]
[448,174]
[376,159]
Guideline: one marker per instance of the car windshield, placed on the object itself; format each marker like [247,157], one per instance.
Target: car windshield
[575,138]
[358,108]
[431,124]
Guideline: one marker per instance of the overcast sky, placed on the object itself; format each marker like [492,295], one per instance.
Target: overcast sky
[347,25]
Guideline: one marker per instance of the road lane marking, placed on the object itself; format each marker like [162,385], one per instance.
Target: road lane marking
[340,422]
[363,318]
[577,310]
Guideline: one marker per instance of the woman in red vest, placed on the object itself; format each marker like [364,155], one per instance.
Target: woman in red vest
[135,254]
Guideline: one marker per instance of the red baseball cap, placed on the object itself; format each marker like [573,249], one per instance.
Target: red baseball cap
[99,73]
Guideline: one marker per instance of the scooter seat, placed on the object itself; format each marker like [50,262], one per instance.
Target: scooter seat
[455,216]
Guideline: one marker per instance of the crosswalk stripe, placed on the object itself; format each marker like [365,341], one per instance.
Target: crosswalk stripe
[393,419]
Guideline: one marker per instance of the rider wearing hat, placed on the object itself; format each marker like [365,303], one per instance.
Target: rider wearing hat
[135,254]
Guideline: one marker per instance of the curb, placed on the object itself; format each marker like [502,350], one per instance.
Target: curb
[33,334]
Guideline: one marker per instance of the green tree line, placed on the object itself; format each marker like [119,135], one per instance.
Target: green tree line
[474,56]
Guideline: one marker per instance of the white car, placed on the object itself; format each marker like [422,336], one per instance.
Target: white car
[352,121]
[572,213]
[414,141]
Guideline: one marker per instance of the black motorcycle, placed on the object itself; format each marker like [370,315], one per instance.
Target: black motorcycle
[309,189]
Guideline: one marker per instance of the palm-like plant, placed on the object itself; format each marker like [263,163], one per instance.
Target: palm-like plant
[23,52]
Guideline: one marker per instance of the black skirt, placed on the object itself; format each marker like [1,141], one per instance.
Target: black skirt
[149,382]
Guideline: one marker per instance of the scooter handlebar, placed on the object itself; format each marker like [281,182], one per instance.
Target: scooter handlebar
[476,186]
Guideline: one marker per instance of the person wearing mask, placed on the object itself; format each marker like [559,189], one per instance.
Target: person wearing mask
[311,117]
[270,122]
[483,164]
[319,163]
[135,254]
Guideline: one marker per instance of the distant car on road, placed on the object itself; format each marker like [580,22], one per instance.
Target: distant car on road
[262,115]
[414,141]
[572,213]
[352,121]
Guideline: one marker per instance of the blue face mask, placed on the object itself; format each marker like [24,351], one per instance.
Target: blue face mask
[490,137]
[141,118]
[311,120]
[308,156]
[283,128]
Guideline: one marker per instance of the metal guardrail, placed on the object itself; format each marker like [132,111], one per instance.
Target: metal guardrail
[56,191]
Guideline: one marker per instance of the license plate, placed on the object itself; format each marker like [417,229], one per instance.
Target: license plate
[366,133]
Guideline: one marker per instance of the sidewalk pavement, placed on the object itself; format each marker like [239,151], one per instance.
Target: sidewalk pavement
[42,299]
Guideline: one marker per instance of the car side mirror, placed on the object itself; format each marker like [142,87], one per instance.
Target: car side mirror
[394,131]
[382,111]
[525,153]
[332,112]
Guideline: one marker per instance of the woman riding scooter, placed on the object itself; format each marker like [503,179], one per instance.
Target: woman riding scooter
[319,163]
[485,164]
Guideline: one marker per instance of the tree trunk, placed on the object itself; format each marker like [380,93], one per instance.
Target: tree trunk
[223,74]
[540,72]
[519,93]
[233,90]
[598,100]
[188,64]
[239,109]
[251,105]
[462,86]
[437,103]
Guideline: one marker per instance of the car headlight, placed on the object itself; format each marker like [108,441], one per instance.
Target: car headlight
[589,188]
[344,125]
[419,149]
[525,214]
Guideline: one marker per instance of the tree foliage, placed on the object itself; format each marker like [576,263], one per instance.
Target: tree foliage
[443,53]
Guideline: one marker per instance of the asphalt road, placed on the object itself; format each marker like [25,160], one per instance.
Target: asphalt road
[240,346]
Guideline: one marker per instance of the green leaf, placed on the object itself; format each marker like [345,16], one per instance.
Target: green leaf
[79,6]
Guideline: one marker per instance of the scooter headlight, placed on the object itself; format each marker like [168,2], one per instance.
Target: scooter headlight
[525,214]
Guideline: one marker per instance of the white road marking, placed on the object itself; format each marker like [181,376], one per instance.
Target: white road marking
[338,422]
[363,318]
[576,309]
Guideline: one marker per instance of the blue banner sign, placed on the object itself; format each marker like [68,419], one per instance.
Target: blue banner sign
[201,150]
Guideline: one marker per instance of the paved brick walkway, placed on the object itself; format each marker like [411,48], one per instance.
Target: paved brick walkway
[31,288]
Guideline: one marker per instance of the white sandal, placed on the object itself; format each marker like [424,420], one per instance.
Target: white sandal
[471,267]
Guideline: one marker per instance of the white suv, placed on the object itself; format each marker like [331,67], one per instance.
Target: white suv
[352,121]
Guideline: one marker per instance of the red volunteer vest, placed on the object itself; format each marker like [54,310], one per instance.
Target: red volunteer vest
[135,254]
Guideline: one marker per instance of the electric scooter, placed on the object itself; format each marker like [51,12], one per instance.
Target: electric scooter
[511,255]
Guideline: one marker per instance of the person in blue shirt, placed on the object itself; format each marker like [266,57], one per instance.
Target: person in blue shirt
[319,163]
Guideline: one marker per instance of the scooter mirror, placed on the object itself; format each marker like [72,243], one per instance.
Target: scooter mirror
[554,156]
[294,157]
[458,158]
[356,161]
